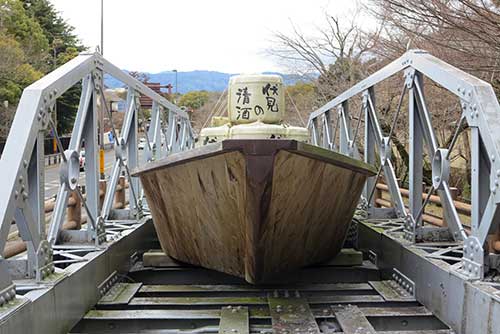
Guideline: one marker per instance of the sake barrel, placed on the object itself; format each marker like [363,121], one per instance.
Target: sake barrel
[258,130]
[256,97]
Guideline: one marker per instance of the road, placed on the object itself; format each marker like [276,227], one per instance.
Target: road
[52,174]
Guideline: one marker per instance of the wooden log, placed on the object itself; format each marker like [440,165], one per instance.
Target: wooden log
[461,207]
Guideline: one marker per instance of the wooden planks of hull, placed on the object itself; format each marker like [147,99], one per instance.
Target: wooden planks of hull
[253,208]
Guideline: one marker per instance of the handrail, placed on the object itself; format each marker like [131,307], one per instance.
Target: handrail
[22,162]
[480,110]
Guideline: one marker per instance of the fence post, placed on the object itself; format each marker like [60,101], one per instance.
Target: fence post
[102,192]
[120,193]
[377,194]
[75,211]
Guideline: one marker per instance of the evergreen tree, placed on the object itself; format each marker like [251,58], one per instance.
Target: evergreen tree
[64,46]
[23,47]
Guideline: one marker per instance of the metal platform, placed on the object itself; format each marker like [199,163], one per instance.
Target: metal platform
[177,298]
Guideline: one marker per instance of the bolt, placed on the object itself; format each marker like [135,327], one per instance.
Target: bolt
[73,180]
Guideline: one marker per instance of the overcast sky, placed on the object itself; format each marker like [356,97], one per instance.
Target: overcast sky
[220,35]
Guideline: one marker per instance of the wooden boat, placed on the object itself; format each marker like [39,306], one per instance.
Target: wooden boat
[253,208]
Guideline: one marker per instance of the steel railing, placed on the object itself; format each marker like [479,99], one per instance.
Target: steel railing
[481,112]
[22,164]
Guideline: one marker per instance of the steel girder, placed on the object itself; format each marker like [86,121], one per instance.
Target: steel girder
[467,306]
[22,164]
[481,111]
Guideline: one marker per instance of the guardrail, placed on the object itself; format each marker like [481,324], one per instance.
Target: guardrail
[56,158]
[22,164]
[480,111]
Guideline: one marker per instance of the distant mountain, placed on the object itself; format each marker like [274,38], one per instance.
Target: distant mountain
[196,80]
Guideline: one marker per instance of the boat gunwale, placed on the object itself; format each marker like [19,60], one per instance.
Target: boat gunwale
[259,147]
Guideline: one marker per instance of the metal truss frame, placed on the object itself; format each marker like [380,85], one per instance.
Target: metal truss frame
[467,306]
[481,111]
[22,169]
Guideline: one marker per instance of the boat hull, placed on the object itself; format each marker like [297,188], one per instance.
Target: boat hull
[253,208]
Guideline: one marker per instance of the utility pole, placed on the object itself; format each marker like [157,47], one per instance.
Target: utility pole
[101,109]
[175,71]
[102,27]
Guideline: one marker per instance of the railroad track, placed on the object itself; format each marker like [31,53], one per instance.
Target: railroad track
[177,298]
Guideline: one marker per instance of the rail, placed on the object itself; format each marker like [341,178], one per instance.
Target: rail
[480,111]
[22,164]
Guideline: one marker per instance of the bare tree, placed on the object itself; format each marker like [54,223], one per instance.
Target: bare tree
[465,33]
[141,76]
[336,52]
